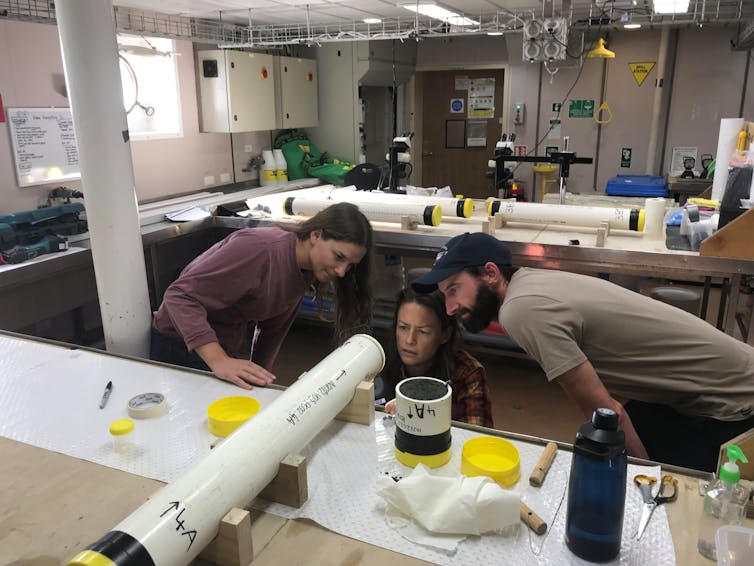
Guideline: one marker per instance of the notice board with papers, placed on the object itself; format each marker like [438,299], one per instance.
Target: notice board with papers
[44,145]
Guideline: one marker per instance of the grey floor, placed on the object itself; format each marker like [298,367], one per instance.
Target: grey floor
[522,399]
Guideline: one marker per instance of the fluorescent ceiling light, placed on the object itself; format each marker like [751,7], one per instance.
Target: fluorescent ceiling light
[372,21]
[671,6]
[438,13]
[631,26]
[494,33]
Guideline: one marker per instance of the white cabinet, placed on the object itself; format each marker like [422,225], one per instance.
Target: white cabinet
[237,91]
[296,81]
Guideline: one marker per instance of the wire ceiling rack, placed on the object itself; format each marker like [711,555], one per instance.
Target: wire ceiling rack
[232,33]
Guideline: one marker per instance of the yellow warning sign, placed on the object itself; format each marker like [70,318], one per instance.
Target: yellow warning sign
[640,71]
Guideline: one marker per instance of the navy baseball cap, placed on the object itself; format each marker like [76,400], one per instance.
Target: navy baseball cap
[467,250]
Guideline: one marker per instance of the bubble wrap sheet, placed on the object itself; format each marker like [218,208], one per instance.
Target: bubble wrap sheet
[49,397]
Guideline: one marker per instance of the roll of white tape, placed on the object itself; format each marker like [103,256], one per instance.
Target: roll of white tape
[147,406]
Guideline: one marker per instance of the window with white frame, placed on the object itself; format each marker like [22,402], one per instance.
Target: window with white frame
[151,96]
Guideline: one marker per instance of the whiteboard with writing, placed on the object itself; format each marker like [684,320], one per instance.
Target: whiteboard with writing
[44,145]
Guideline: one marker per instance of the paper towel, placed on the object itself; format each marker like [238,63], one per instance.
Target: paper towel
[423,506]
[726,145]
[654,217]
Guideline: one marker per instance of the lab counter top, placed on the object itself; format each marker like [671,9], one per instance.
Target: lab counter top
[43,489]
[63,281]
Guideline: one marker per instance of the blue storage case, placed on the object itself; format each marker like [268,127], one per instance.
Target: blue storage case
[637,186]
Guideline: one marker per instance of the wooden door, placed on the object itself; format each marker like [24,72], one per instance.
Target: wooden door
[445,161]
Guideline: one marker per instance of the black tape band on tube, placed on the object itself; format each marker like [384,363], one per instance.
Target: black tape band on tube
[422,445]
[495,208]
[288,206]
[123,549]
[459,207]
[428,210]
[633,220]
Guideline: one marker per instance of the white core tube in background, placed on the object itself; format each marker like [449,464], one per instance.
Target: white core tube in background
[182,518]
[451,207]
[563,214]
[430,215]
[727,142]
[654,217]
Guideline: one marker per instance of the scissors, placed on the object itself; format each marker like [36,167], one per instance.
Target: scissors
[668,492]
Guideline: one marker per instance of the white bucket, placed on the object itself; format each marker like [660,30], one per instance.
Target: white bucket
[422,417]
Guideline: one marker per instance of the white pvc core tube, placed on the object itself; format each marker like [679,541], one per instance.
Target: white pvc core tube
[182,518]
[430,215]
[562,214]
[451,207]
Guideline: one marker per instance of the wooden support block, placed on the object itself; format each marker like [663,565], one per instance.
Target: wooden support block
[499,220]
[408,223]
[488,226]
[602,233]
[232,546]
[361,408]
[290,486]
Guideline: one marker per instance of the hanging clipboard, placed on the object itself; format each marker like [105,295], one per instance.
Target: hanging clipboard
[44,145]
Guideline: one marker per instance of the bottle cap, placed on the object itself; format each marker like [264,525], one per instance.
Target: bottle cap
[729,471]
[121,427]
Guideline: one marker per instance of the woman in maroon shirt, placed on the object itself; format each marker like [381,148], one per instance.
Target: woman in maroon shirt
[260,275]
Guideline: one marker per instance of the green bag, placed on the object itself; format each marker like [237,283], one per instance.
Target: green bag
[305,159]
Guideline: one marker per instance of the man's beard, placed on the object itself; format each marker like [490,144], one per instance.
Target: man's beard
[483,312]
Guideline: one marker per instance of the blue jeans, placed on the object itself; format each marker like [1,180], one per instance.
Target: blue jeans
[170,351]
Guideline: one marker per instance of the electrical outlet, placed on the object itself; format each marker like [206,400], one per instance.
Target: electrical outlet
[209,180]
[248,148]
[225,177]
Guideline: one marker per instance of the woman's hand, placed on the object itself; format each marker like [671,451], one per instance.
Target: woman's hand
[390,407]
[239,372]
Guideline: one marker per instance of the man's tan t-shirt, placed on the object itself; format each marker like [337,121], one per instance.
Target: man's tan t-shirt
[641,348]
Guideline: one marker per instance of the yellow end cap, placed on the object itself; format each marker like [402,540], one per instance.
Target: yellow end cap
[640,224]
[121,427]
[431,460]
[91,558]
[489,207]
[436,215]
[468,208]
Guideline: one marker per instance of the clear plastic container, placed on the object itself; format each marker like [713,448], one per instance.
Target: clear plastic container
[122,435]
[724,503]
[735,546]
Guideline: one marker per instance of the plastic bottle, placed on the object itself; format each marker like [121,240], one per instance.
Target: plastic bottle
[268,170]
[597,489]
[281,166]
[121,432]
[724,503]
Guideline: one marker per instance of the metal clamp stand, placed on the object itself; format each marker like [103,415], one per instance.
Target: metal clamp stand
[563,159]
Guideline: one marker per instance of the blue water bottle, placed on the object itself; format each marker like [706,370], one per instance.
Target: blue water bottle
[597,489]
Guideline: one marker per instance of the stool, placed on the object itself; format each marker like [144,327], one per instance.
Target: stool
[684,299]
[548,173]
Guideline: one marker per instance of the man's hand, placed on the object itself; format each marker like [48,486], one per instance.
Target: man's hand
[390,407]
[583,385]
[236,371]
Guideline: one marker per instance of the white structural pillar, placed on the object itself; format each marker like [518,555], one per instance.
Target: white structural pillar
[563,214]
[90,58]
[659,106]
[182,518]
